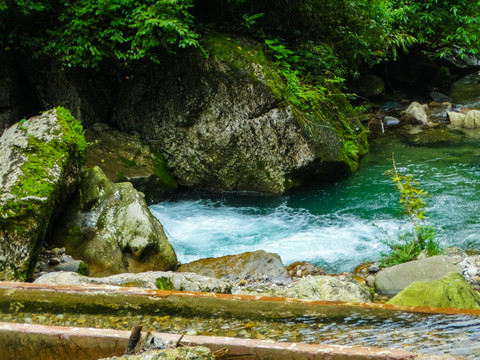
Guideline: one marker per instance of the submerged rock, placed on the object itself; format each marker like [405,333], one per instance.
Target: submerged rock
[161,280]
[40,160]
[392,280]
[257,266]
[326,288]
[110,227]
[125,158]
[452,290]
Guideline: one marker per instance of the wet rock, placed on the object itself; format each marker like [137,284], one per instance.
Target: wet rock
[302,269]
[258,266]
[449,291]
[125,158]
[392,280]
[416,113]
[326,288]
[369,85]
[439,97]
[456,118]
[40,160]
[162,280]
[184,353]
[466,91]
[391,121]
[472,119]
[110,227]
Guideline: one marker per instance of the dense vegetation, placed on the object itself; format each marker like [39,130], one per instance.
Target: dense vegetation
[324,38]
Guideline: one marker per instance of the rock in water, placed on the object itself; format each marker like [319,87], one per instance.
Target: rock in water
[392,280]
[452,290]
[111,228]
[456,118]
[257,266]
[40,160]
[416,113]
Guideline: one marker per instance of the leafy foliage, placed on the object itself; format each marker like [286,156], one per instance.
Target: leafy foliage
[85,32]
[422,237]
[449,26]
[337,38]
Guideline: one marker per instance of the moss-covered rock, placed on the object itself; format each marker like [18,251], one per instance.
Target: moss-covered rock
[110,227]
[125,158]
[225,123]
[452,290]
[40,160]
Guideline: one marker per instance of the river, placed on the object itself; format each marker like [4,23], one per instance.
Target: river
[337,226]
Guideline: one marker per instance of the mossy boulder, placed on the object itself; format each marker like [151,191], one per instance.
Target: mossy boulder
[110,227]
[40,160]
[225,123]
[452,290]
[126,158]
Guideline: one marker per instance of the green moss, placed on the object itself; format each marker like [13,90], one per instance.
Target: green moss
[127,162]
[120,177]
[161,171]
[452,290]
[83,269]
[164,283]
[242,56]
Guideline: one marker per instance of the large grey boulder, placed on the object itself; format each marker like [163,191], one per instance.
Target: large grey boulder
[223,124]
[111,228]
[392,280]
[323,287]
[257,266]
[40,160]
[162,280]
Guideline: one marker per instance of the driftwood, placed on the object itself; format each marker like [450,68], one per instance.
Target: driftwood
[135,336]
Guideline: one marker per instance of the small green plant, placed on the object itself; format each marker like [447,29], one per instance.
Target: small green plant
[164,283]
[422,237]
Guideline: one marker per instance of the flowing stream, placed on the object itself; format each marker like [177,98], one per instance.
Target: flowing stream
[337,226]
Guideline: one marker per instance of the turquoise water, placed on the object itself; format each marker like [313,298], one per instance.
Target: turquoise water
[338,226]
